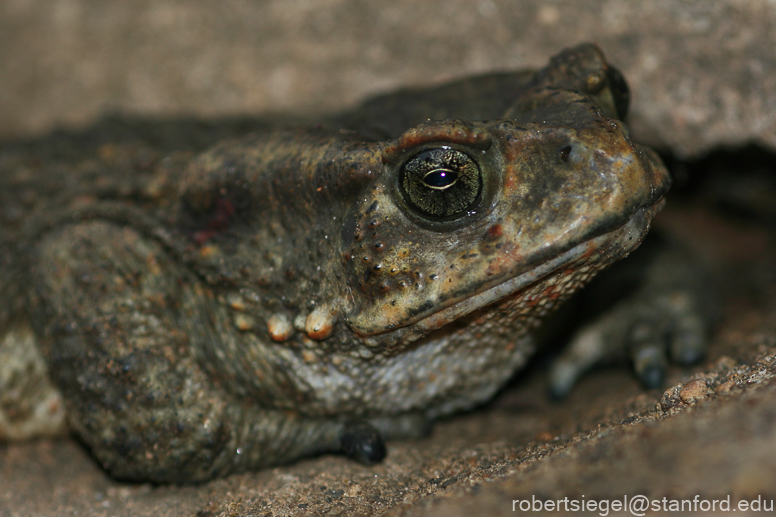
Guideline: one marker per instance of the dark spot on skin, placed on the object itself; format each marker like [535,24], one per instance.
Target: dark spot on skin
[378,245]
[371,208]
[433,276]
[378,267]
[219,221]
[374,223]
[469,255]
[425,306]
[564,153]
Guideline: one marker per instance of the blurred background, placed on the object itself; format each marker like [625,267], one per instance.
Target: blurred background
[703,73]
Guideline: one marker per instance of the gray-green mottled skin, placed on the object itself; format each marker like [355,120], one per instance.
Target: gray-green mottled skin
[203,315]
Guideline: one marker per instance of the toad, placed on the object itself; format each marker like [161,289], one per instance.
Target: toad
[309,289]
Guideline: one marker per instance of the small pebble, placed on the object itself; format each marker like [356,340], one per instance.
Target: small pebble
[354,490]
[726,387]
[695,391]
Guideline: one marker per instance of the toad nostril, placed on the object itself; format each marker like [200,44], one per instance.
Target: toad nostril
[565,153]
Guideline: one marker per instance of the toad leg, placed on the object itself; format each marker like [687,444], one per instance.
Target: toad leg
[122,318]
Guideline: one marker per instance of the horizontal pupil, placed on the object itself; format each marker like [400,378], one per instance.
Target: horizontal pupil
[440,178]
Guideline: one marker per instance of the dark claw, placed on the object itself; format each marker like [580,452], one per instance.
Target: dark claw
[561,382]
[557,394]
[360,441]
[652,376]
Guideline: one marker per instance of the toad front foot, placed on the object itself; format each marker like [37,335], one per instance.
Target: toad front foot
[666,317]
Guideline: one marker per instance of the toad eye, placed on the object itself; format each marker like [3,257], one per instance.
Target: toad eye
[441,183]
[440,179]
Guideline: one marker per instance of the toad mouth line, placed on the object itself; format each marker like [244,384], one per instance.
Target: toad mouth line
[629,235]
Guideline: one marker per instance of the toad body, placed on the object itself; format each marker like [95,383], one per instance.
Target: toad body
[310,289]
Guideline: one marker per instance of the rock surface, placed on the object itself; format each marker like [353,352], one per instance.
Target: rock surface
[703,73]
